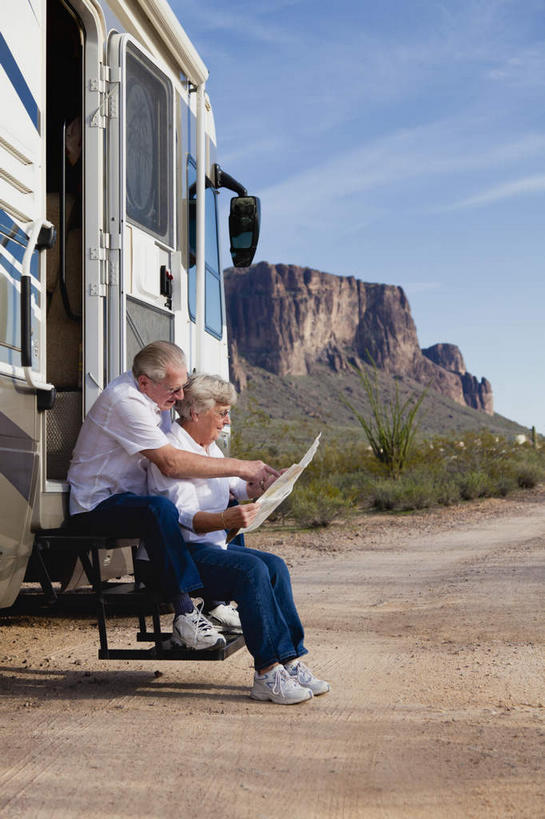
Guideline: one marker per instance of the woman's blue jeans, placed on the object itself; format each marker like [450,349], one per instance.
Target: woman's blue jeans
[261,585]
[155,520]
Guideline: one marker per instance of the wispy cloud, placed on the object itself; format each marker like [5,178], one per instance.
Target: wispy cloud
[521,187]
[522,69]
[244,19]
[437,149]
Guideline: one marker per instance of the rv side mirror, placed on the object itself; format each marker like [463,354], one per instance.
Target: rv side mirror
[244,223]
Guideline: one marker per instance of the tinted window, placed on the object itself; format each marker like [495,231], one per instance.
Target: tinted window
[212,311]
[11,262]
[148,146]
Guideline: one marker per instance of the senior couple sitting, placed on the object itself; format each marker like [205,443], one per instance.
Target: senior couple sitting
[133,470]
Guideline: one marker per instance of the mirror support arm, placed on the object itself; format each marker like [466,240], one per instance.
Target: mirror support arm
[225,180]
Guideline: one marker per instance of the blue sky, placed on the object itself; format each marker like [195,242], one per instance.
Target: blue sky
[400,142]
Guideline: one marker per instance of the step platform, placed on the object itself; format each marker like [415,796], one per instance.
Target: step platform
[116,598]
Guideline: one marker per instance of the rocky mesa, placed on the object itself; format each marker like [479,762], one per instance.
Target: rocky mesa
[284,318]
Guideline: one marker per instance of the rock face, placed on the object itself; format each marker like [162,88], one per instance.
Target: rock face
[284,318]
[477,394]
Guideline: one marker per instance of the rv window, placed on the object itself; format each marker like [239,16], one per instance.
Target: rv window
[212,311]
[148,146]
[11,258]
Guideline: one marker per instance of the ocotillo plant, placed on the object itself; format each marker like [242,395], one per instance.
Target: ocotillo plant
[391,427]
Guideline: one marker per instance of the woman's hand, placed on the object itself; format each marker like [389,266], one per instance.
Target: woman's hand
[234,517]
[238,517]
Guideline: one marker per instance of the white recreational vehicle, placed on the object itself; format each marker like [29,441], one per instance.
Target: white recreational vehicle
[108,230]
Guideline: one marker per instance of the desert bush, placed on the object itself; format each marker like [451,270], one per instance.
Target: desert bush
[476,484]
[408,493]
[529,475]
[316,504]
[385,495]
[447,492]
[504,484]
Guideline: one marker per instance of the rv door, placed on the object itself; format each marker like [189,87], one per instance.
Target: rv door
[140,196]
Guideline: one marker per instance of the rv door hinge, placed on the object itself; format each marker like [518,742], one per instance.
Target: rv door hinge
[107,87]
[107,241]
[97,254]
[97,289]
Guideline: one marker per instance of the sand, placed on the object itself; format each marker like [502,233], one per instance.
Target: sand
[430,628]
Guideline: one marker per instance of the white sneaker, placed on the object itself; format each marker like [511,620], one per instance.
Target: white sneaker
[277,685]
[225,618]
[194,631]
[304,676]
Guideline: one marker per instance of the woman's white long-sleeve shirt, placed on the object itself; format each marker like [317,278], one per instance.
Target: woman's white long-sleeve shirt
[192,495]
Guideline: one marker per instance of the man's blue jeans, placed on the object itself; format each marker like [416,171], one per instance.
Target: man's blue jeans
[155,520]
[260,583]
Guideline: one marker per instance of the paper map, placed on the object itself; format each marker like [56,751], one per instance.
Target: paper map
[278,491]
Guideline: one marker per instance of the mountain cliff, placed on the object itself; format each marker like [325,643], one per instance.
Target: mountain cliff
[284,319]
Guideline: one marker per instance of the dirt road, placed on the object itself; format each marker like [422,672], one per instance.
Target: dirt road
[431,630]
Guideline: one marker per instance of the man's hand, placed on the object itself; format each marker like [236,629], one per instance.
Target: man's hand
[256,488]
[256,471]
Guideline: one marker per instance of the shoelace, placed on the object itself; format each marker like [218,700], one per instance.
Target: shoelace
[200,623]
[282,680]
[303,674]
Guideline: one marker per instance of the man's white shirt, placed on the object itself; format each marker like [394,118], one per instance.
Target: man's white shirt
[197,494]
[106,461]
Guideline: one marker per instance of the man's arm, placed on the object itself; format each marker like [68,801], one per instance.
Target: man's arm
[177,463]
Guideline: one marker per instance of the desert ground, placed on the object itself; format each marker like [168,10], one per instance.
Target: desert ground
[430,628]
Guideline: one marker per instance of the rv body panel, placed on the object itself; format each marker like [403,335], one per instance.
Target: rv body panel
[120,77]
[22,192]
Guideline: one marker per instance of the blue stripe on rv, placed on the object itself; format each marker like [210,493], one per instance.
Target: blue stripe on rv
[9,64]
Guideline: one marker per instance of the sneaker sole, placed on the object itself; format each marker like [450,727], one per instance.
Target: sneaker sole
[319,693]
[280,700]
[218,644]
[225,629]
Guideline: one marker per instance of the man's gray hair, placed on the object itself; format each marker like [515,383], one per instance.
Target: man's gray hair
[203,392]
[154,360]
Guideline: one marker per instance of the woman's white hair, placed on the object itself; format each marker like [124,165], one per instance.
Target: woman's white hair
[203,392]
[154,360]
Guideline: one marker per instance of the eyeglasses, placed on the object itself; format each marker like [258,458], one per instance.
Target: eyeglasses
[170,391]
[174,391]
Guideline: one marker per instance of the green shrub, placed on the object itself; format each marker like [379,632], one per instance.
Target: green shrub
[504,484]
[447,492]
[406,494]
[316,504]
[385,495]
[529,475]
[475,484]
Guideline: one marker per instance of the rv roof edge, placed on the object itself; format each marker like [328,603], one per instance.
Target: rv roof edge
[171,32]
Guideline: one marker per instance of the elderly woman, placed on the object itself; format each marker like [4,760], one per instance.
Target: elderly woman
[259,582]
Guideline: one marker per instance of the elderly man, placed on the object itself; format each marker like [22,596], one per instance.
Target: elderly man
[122,433]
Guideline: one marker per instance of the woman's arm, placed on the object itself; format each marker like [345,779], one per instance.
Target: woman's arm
[235,517]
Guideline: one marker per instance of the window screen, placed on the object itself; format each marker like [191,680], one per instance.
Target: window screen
[148,146]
